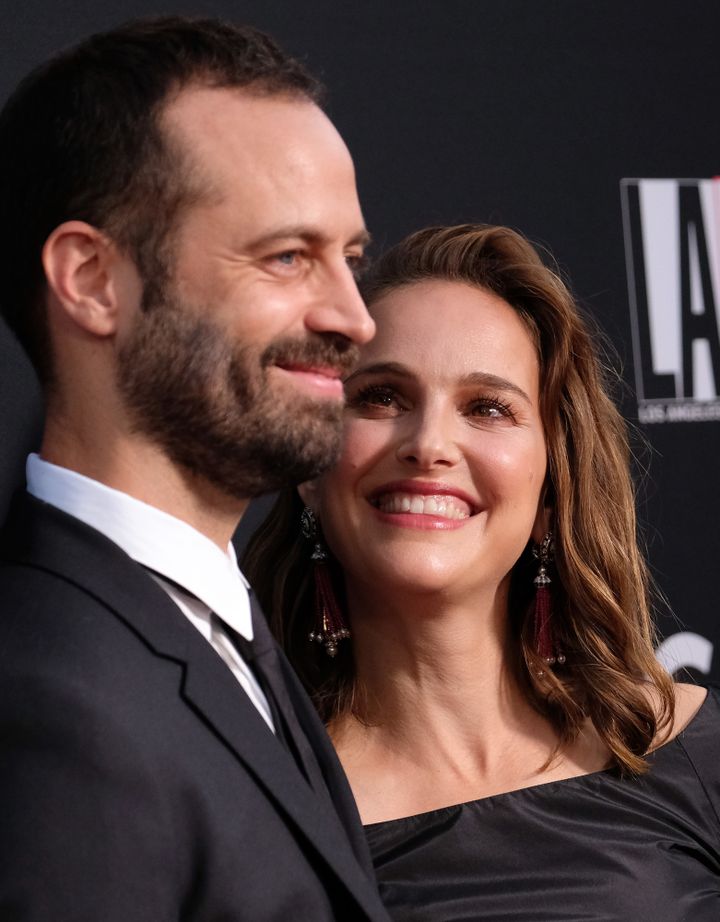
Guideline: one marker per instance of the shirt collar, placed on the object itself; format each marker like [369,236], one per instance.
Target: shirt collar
[151,537]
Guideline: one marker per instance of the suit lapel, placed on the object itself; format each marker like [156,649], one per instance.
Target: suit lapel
[337,783]
[306,724]
[39,535]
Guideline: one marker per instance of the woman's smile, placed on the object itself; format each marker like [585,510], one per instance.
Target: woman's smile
[422,504]
[442,436]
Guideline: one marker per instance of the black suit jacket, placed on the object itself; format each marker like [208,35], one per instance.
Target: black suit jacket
[138,783]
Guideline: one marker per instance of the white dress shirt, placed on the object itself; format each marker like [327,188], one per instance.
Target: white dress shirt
[170,548]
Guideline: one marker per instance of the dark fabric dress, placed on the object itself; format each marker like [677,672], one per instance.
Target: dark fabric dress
[596,847]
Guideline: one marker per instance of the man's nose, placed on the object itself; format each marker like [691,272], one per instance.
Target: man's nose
[340,308]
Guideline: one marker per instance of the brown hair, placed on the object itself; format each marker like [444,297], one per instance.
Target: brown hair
[601,609]
[80,138]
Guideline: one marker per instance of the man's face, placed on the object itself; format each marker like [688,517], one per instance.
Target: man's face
[235,365]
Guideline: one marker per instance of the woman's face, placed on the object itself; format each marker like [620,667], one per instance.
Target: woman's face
[439,484]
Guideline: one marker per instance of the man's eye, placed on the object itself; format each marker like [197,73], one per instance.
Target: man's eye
[358,263]
[289,258]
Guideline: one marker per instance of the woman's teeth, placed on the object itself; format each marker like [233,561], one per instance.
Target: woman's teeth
[447,507]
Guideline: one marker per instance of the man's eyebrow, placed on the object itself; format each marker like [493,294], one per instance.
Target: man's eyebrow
[474,379]
[308,234]
[363,238]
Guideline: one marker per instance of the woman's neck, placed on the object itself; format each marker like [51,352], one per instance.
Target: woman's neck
[443,716]
[432,653]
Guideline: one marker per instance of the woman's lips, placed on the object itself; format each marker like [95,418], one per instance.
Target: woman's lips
[441,505]
[423,504]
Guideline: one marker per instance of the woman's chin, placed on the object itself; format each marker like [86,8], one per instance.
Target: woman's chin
[417,577]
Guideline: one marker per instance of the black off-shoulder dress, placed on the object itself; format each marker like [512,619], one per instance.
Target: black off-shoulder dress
[598,848]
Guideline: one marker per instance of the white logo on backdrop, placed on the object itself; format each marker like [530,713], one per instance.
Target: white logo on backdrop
[685,650]
[672,248]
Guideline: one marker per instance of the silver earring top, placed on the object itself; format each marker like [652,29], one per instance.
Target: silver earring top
[545,551]
[308,524]
[311,531]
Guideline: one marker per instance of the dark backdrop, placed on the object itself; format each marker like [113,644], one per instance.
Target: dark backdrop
[524,112]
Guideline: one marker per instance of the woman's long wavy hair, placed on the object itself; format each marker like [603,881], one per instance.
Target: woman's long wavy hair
[601,599]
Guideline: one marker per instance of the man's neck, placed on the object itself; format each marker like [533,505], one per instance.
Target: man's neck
[142,470]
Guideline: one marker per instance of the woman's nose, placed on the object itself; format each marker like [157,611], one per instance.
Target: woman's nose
[429,440]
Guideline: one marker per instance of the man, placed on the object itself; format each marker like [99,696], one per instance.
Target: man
[180,227]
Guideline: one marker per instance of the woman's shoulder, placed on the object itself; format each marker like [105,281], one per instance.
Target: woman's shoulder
[689,701]
[696,728]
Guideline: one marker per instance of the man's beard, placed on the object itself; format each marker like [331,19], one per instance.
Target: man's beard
[209,405]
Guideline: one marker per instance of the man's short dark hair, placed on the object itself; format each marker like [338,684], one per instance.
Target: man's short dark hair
[80,139]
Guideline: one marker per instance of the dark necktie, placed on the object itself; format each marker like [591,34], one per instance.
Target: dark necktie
[261,666]
[262,657]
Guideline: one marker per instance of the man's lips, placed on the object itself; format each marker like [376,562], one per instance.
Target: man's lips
[325,371]
[321,379]
[328,355]
[414,497]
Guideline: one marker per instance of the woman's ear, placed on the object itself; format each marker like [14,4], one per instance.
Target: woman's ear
[545,516]
[309,494]
[543,521]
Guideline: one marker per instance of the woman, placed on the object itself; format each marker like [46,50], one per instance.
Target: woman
[515,750]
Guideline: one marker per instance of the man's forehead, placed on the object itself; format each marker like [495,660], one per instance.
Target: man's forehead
[234,133]
[206,111]
[271,160]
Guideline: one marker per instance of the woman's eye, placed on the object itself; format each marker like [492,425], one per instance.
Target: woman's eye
[375,398]
[490,408]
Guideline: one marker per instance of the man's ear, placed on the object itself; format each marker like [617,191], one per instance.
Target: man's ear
[78,260]
[309,494]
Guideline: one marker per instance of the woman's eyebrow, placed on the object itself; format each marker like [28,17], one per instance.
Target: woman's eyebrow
[473,379]
[381,368]
[485,379]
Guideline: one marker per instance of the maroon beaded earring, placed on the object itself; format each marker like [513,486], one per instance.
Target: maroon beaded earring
[544,636]
[330,627]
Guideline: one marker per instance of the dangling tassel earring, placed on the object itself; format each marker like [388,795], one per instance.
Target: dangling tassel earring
[545,646]
[330,624]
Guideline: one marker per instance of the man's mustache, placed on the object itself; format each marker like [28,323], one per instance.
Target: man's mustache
[332,350]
